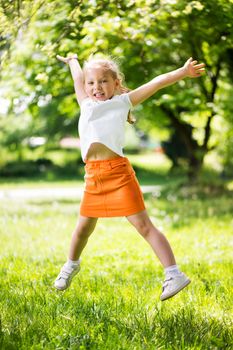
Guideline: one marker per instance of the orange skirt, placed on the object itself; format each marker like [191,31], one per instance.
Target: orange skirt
[111,189]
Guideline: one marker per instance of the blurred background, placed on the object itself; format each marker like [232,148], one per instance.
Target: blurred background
[181,148]
[188,126]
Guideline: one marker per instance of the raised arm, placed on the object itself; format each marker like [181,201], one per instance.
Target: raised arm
[77,75]
[190,69]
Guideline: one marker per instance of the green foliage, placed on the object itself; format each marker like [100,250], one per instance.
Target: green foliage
[147,37]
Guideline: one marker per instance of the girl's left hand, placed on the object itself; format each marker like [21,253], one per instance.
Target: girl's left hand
[192,69]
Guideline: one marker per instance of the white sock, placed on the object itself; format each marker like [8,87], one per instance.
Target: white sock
[171,271]
[73,262]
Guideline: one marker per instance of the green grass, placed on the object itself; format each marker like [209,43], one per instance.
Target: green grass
[113,304]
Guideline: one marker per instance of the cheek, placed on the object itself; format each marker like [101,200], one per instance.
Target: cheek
[112,87]
[87,88]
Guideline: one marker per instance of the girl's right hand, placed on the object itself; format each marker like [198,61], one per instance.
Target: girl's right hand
[192,69]
[67,59]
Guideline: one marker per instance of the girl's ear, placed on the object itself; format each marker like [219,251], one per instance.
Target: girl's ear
[121,88]
[118,86]
[117,83]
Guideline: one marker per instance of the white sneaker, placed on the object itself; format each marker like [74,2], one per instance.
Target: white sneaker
[65,276]
[174,285]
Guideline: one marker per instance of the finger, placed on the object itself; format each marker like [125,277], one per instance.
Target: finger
[198,66]
[189,60]
[194,62]
[199,73]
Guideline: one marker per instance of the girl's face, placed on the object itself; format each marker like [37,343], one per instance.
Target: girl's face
[100,84]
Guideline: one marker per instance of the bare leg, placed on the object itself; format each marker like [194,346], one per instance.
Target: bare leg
[85,226]
[154,237]
[82,231]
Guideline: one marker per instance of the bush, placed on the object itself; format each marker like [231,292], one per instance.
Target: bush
[26,168]
[40,167]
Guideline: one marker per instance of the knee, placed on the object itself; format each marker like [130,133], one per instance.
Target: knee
[144,228]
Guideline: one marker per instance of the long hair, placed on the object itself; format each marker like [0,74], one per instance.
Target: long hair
[112,67]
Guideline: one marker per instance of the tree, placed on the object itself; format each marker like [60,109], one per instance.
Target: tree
[149,37]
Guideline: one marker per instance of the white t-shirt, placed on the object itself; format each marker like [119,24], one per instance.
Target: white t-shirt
[104,122]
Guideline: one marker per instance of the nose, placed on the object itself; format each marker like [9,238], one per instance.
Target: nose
[97,85]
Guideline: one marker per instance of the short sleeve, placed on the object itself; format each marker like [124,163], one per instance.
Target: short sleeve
[125,98]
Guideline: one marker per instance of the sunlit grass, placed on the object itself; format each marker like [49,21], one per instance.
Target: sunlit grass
[114,302]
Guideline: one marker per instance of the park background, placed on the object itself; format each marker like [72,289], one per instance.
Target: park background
[181,149]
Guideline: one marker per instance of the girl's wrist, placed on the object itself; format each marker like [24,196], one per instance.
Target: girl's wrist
[184,72]
[73,57]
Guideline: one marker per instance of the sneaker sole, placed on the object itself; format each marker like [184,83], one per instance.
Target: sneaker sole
[185,284]
[68,284]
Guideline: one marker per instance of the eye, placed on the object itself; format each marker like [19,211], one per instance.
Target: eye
[104,81]
[90,82]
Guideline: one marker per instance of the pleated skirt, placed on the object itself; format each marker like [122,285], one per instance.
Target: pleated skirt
[111,189]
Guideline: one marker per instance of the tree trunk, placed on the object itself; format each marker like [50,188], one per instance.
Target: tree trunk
[195,152]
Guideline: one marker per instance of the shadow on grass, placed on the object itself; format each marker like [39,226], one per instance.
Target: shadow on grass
[74,172]
[44,170]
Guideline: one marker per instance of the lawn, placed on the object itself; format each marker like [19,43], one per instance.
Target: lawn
[113,304]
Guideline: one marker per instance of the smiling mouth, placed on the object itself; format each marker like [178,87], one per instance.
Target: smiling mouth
[99,94]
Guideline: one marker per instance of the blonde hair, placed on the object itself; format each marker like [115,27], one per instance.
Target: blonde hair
[112,67]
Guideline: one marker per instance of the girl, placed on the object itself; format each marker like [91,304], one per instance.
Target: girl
[111,187]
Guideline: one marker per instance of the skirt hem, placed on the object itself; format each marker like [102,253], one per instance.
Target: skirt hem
[111,215]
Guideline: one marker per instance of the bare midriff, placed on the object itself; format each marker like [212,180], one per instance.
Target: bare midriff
[98,151]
